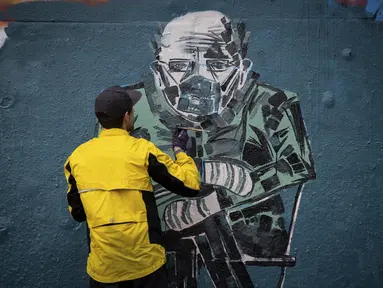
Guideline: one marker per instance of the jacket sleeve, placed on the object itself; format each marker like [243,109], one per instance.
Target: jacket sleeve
[76,208]
[180,176]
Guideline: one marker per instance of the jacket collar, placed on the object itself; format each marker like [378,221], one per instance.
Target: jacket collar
[113,132]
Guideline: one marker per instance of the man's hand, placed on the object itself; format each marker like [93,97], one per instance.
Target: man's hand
[180,140]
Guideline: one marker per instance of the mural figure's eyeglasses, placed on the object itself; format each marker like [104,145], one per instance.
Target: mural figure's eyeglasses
[212,65]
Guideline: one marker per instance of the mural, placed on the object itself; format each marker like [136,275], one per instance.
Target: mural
[3,35]
[253,146]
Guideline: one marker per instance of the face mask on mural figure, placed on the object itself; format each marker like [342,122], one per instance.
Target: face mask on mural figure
[199,96]
[199,66]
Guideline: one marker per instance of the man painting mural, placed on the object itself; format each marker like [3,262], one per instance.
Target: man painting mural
[254,145]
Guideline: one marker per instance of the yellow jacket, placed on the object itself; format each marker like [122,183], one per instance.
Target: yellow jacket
[109,186]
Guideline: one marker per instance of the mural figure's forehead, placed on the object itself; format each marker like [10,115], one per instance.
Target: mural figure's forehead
[197,22]
[195,30]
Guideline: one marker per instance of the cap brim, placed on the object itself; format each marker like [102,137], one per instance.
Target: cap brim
[134,95]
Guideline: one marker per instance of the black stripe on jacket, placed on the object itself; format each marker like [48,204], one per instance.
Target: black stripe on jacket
[159,173]
[154,223]
[74,199]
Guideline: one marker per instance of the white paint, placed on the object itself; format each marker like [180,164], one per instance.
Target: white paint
[223,174]
[177,224]
[208,172]
[3,36]
[248,187]
[188,29]
[237,173]
[294,216]
[236,180]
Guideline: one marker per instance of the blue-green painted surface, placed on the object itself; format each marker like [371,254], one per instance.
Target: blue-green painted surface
[60,55]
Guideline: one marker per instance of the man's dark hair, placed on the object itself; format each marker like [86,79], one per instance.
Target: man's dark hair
[108,122]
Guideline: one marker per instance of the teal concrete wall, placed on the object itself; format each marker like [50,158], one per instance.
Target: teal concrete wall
[60,55]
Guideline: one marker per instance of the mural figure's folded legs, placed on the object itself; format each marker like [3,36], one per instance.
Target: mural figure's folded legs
[182,264]
[220,254]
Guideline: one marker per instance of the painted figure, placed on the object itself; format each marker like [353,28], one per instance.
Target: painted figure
[254,145]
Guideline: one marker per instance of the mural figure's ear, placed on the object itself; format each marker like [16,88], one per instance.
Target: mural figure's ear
[244,38]
[244,72]
[160,74]
[246,64]
[155,45]
[153,66]
[245,43]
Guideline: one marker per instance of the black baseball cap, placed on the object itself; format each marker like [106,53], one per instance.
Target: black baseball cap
[114,102]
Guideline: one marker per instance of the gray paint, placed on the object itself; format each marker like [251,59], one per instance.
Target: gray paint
[53,70]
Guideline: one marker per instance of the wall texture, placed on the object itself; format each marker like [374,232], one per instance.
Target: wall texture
[57,56]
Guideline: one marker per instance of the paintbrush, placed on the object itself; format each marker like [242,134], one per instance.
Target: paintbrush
[192,129]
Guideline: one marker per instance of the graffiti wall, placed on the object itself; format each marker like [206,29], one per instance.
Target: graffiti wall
[285,101]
